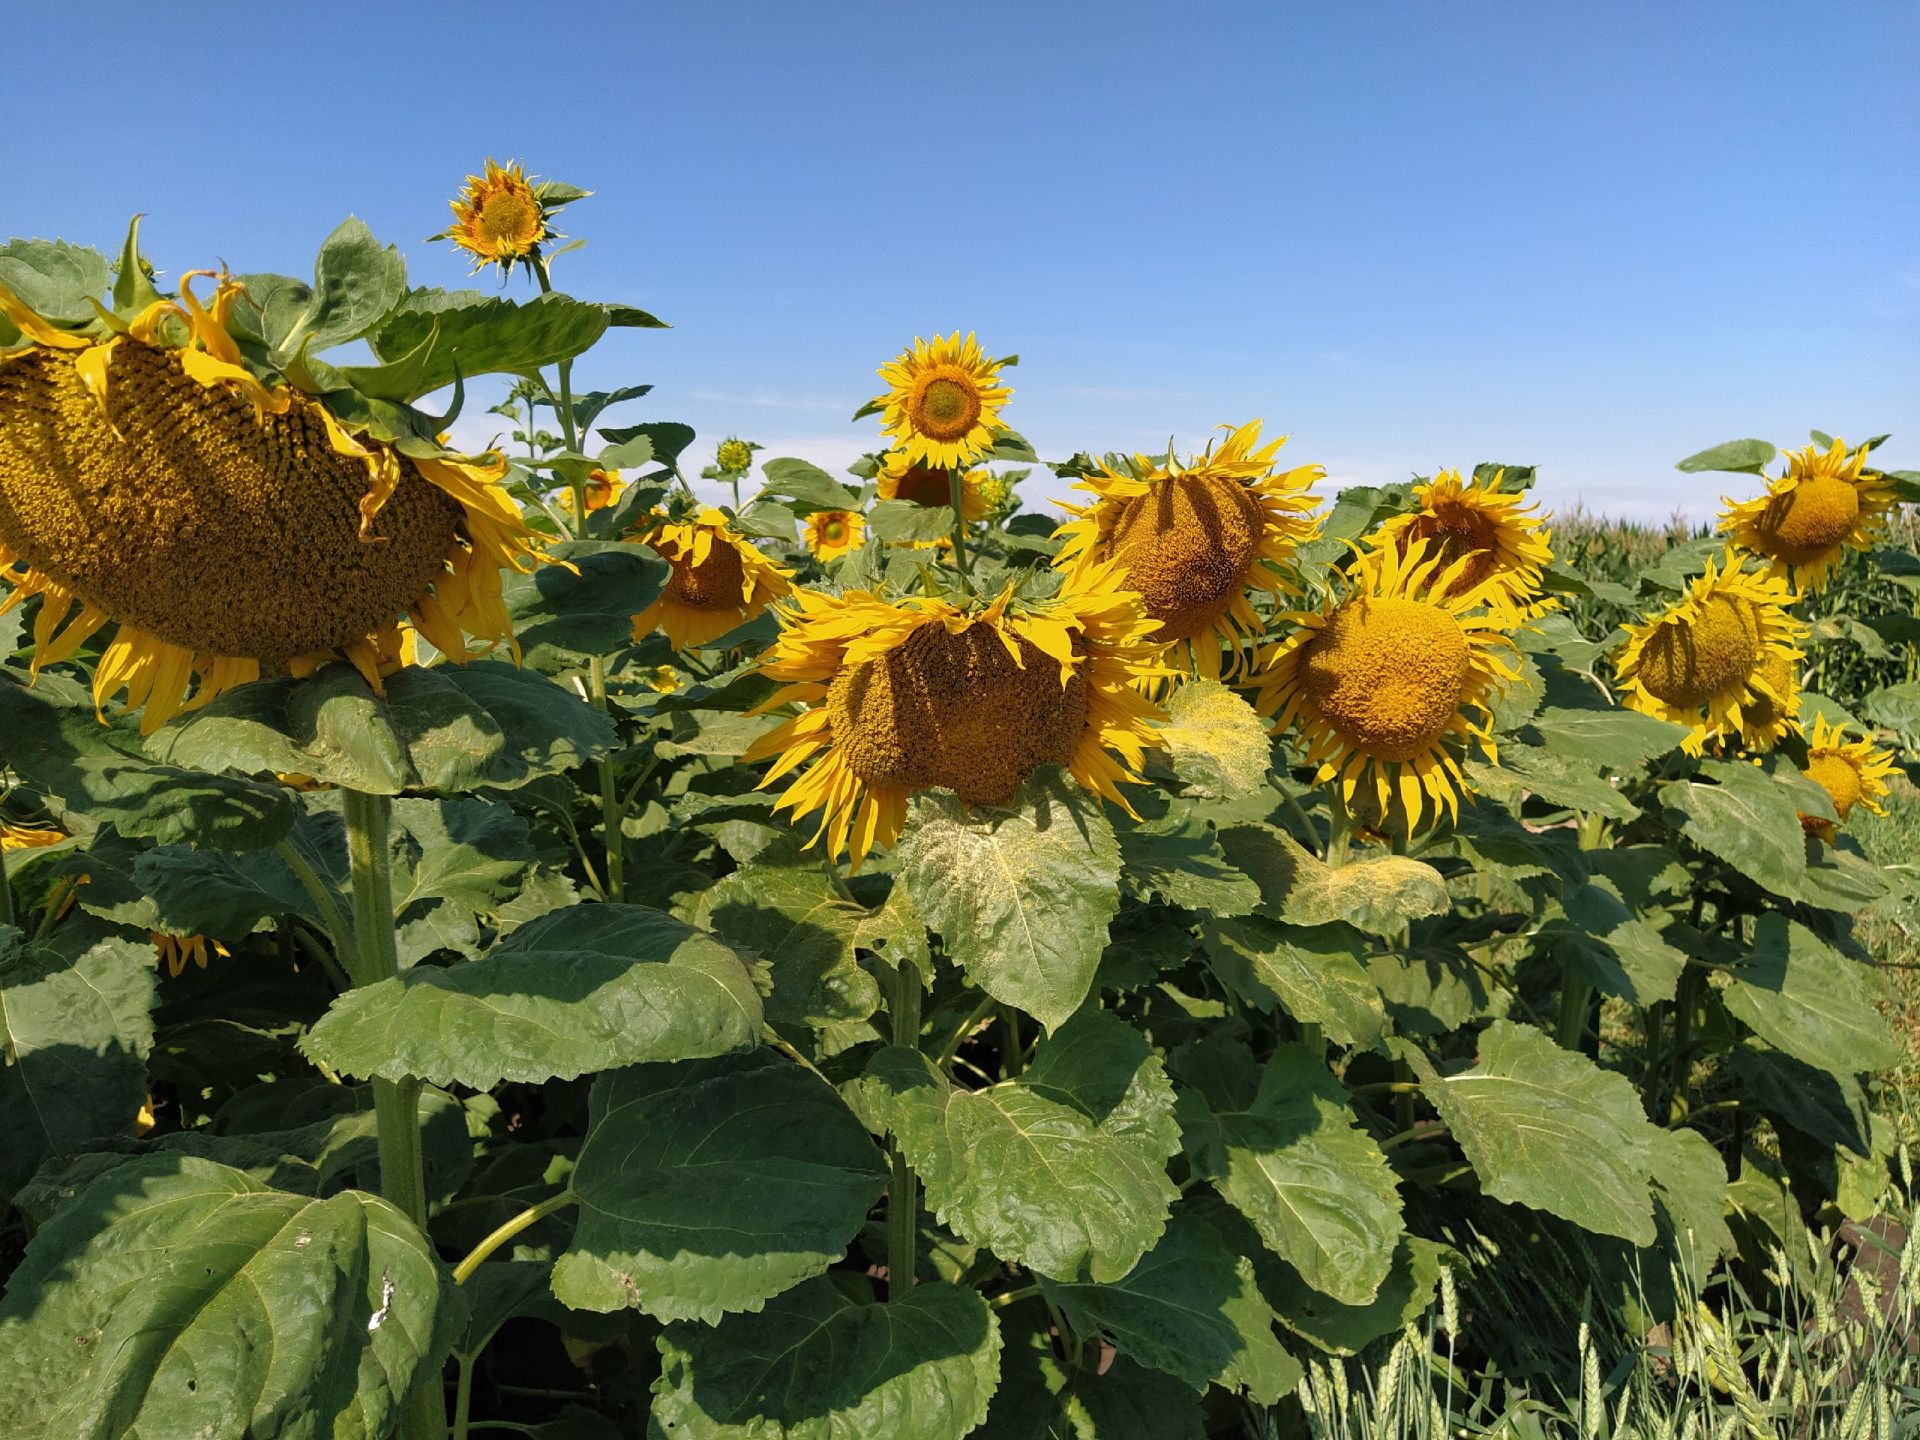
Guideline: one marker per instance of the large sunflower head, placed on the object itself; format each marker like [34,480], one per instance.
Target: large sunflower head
[224,524]
[719,580]
[1502,539]
[1701,661]
[1851,772]
[943,403]
[500,218]
[902,478]
[902,696]
[833,533]
[1199,540]
[1826,504]
[1383,683]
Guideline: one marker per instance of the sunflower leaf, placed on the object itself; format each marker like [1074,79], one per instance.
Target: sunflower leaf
[710,1186]
[1313,973]
[1062,1169]
[1800,996]
[898,522]
[1022,894]
[123,1317]
[1747,820]
[1378,895]
[1746,457]
[485,335]
[794,918]
[563,616]
[355,282]
[581,989]
[819,1364]
[1179,859]
[1218,744]
[57,280]
[809,484]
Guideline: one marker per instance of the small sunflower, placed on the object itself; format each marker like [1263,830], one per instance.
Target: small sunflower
[499,219]
[905,696]
[833,533]
[943,404]
[1199,541]
[1377,682]
[176,950]
[903,479]
[1851,772]
[28,837]
[1824,505]
[1500,537]
[719,581]
[734,456]
[1701,662]
[603,488]
[225,525]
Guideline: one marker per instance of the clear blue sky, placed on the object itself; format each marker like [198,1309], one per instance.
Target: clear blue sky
[1593,236]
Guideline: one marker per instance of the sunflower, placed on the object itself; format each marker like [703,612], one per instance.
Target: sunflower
[719,581]
[944,402]
[1199,540]
[1851,772]
[833,533]
[500,219]
[225,525]
[1772,711]
[903,479]
[904,696]
[1824,505]
[1701,662]
[734,455]
[603,488]
[1376,682]
[28,837]
[174,951]
[1501,539]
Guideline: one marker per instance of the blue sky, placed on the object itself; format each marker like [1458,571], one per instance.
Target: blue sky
[1413,234]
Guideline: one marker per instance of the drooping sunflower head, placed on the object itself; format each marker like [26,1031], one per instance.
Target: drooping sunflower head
[1699,662]
[902,696]
[915,481]
[223,523]
[1826,504]
[500,219]
[1852,772]
[734,456]
[943,403]
[1198,541]
[174,951]
[1502,539]
[1385,684]
[1772,710]
[833,533]
[719,581]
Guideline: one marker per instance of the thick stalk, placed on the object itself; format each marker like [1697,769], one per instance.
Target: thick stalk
[903,1194]
[396,1103]
[1576,999]
[1013,1053]
[613,813]
[1340,825]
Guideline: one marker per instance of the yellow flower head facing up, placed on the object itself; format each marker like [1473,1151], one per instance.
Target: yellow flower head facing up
[1378,683]
[943,403]
[499,218]
[223,525]
[603,488]
[902,478]
[1851,772]
[175,951]
[833,533]
[903,696]
[718,582]
[1826,504]
[1502,539]
[1199,541]
[734,455]
[1701,662]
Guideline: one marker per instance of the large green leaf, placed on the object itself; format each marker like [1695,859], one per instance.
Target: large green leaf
[178,1297]
[1280,1143]
[1800,996]
[55,277]
[817,1364]
[1747,820]
[1599,938]
[564,614]
[1062,1169]
[1217,742]
[712,1185]
[1314,974]
[467,333]
[1022,894]
[1378,895]
[1830,1108]
[805,929]
[1561,781]
[1179,859]
[586,988]
[1547,1128]
[1405,1295]
[95,774]
[74,1037]
[1615,739]
[1191,1308]
[356,280]
[1748,457]
[809,484]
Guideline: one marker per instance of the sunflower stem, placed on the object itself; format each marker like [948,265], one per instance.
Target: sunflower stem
[956,491]
[396,1103]
[903,1193]
[506,1231]
[1339,826]
[6,892]
[613,814]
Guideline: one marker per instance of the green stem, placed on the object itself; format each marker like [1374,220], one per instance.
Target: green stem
[463,1399]
[396,1103]
[1576,999]
[323,901]
[1013,1054]
[961,1032]
[612,812]
[6,893]
[903,1193]
[1340,827]
[957,490]
[565,409]
[1686,995]
[1310,832]
[1014,1297]
[504,1232]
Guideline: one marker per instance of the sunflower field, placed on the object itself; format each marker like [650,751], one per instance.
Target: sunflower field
[546,936]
